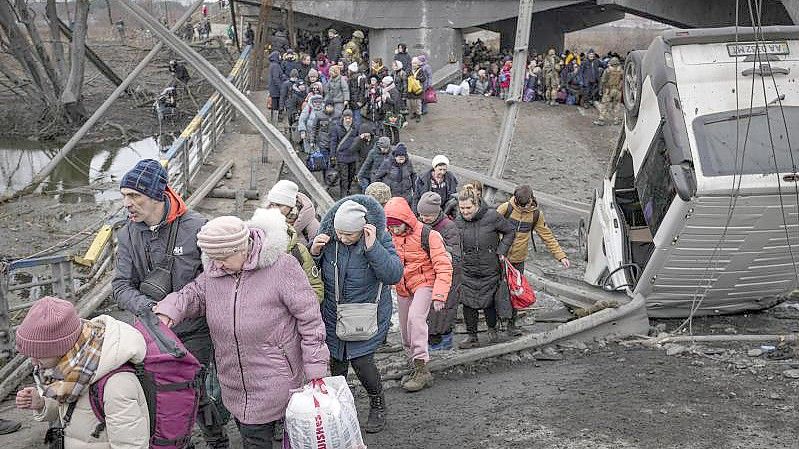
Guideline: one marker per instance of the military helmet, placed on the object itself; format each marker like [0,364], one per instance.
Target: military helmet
[358,34]
[614,61]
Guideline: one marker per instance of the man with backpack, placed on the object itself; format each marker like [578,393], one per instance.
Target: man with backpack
[69,356]
[522,211]
[157,254]
[319,127]
[426,280]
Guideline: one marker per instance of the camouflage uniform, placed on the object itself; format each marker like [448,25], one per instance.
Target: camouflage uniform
[551,76]
[352,49]
[611,83]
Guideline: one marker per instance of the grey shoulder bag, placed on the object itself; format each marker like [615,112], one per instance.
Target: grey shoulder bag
[158,282]
[355,322]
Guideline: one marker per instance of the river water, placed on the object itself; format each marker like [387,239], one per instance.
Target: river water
[87,174]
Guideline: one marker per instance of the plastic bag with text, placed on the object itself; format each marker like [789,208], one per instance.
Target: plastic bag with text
[323,416]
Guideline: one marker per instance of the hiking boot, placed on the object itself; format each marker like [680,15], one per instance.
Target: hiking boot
[420,378]
[7,426]
[377,414]
[469,342]
[514,330]
[493,336]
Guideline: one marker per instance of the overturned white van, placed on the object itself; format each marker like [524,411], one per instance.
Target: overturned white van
[698,210]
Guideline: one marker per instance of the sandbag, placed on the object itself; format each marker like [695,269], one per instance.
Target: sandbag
[323,416]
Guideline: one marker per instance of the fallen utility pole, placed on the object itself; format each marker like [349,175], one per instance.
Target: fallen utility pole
[91,55]
[524,24]
[73,141]
[238,100]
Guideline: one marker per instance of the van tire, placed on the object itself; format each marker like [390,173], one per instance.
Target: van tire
[632,86]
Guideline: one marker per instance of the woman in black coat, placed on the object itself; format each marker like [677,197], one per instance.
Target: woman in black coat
[485,237]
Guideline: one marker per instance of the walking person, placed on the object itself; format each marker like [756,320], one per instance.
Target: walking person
[379,153]
[344,150]
[359,264]
[426,280]
[337,90]
[397,172]
[151,263]
[522,211]
[261,308]
[69,355]
[441,322]
[439,180]
[298,209]
[485,237]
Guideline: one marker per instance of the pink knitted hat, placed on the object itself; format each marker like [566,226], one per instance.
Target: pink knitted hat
[223,236]
[50,329]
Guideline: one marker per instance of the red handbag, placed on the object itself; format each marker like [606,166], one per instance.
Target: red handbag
[430,95]
[522,294]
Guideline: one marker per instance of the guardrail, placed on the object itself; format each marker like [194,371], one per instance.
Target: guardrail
[188,152]
[69,276]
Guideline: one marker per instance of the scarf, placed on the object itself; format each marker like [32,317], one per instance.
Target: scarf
[72,376]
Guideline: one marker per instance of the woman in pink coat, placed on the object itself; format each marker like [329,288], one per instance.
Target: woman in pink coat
[264,320]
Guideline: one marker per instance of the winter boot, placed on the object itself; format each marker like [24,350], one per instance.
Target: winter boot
[420,378]
[469,342]
[513,329]
[493,336]
[377,414]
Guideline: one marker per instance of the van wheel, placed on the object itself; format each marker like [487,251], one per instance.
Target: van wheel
[632,86]
[582,240]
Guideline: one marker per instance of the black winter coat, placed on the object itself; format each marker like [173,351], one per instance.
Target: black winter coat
[358,86]
[398,177]
[424,182]
[483,239]
[371,166]
[343,143]
[333,49]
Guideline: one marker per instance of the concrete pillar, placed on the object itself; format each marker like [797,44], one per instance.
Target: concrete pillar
[440,44]
[792,6]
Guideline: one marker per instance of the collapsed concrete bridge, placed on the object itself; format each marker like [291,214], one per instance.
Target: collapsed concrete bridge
[437,26]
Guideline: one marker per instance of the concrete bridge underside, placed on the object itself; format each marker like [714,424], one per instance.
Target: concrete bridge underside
[435,26]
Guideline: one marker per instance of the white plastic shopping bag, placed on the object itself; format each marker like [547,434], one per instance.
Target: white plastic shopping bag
[323,416]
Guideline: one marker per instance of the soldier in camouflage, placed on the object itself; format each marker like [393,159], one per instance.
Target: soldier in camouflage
[353,48]
[611,85]
[551,76]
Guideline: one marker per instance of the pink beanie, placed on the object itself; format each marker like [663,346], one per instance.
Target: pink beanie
[223,236]
[50,329]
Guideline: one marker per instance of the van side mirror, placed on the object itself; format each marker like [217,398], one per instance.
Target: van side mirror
[684,180]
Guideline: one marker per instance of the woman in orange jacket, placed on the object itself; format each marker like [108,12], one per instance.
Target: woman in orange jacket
[427,277]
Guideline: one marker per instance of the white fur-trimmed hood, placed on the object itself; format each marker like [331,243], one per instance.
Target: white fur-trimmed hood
[269,239]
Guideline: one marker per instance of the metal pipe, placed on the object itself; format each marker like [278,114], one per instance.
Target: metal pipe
[240,101]
[70,145]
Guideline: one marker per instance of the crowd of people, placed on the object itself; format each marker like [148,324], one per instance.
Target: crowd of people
[570,78]
[274,291]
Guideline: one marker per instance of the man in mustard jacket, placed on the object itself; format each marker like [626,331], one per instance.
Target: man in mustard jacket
[523,212]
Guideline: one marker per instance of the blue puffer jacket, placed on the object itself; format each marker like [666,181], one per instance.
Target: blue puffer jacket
[360,274]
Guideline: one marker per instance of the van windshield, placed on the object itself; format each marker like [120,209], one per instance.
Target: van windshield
[715,137]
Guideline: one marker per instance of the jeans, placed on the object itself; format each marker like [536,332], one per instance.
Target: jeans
[413,322]
[471,316]
[256,436]
[365,369]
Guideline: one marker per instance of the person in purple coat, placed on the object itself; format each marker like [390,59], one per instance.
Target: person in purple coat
[262,310]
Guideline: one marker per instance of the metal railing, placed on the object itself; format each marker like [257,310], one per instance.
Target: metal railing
[189,151]
[69,276]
